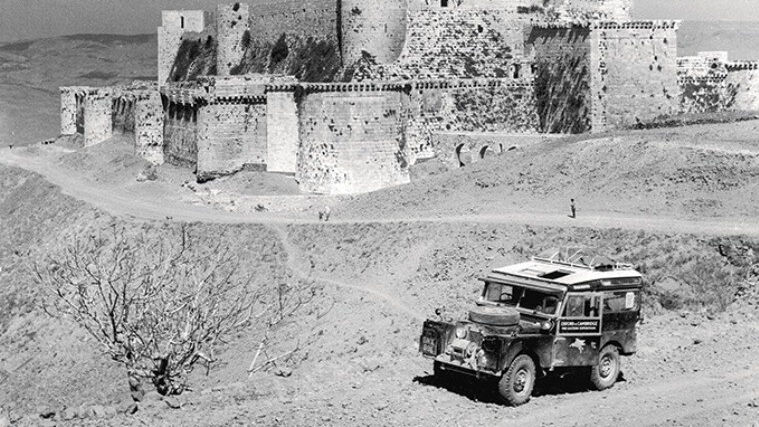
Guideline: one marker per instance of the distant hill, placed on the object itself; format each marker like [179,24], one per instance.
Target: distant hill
[31,72]
[740,39]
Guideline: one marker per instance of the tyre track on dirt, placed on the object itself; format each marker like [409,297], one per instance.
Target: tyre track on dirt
[292,255]
[123,201]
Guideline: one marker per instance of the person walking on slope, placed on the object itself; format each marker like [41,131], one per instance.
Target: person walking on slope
[573,215]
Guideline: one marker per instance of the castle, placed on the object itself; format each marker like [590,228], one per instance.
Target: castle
[347,94]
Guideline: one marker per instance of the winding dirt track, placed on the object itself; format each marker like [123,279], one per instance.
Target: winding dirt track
[144,205]
[693,399]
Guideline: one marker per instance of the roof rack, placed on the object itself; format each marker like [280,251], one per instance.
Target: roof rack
[580,258]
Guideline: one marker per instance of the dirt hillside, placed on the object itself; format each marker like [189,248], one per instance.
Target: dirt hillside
[358,362]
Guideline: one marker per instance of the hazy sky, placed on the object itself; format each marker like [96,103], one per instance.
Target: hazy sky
[25,19]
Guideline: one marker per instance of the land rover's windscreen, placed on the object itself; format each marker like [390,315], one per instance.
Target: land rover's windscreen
[521,297]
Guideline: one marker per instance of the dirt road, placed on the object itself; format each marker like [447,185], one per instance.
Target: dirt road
[156,206]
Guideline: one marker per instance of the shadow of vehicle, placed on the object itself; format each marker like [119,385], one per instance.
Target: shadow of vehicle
[486,390]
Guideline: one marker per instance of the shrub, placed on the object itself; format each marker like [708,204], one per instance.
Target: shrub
[158,306]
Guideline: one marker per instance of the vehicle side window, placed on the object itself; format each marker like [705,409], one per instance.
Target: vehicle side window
[582,306]
[619,302]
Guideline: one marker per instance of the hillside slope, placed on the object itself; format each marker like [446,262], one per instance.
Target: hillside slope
[696,171]
[374,283]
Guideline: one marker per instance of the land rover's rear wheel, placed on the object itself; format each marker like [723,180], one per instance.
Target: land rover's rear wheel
[517,383]
[605,373]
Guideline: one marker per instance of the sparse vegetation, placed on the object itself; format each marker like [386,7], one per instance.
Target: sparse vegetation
[158,305]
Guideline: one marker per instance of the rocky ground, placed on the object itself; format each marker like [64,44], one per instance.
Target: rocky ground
[357,362]
[680,204]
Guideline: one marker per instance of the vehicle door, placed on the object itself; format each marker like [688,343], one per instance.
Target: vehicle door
[578,330]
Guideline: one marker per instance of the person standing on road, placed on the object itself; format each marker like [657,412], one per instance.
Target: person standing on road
[572,208]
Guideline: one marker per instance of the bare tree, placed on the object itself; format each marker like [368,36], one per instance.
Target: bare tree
[157,305]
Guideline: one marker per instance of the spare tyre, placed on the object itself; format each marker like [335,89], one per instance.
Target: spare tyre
[495,316]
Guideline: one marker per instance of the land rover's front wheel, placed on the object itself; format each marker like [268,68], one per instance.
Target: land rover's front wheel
[517,383]
[605,373]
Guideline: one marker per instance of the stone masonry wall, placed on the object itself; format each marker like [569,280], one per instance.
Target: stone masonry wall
[298,18]
[486,106]
[375,27]
[174,25]
[232,24]
[351,141]
[231,137]
[456,43]
[149,127]
[634,73]
[68,111]
[282,137]
[180,133]
[98,118]
[609,10]
[123,115]
[561,62]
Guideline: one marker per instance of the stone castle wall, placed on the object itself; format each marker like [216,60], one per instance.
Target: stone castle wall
[634,73]
[174,25]
[375,27]
[68,111]
[270,19]
[281,127]
[98,117]
[148,113]
[561,59]
[499,105]
[180,129]
[456,43]
[123,115]
[231,137]
[710,82]
[352,140]
[232,24]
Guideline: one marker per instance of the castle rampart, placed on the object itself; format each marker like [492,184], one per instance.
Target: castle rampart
[174,25]
[233,32]
[351,141]
[374,28]
[98,117]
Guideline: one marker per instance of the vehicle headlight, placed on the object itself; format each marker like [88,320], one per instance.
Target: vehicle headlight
[546,326]
[460,332]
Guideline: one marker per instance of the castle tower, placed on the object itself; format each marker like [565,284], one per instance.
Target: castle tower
[232,24]
[375,27]
[175,23]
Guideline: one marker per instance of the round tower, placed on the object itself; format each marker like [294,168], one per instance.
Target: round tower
[375,27]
